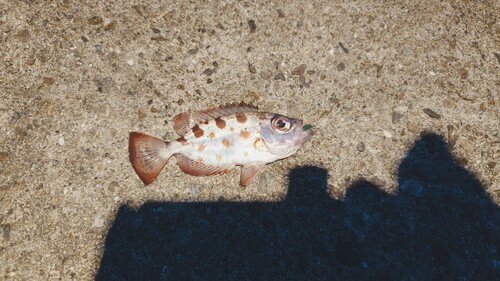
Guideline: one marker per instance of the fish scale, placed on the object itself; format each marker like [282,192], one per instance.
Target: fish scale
[241,149]
[214,141]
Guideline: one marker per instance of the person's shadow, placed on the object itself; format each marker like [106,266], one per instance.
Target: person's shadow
[440,225]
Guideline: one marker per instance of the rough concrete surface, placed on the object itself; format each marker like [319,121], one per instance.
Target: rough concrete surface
[76,77]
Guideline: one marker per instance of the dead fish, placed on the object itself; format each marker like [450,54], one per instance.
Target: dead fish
[214,141]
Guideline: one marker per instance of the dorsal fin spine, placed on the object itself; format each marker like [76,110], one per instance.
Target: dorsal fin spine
[183,122]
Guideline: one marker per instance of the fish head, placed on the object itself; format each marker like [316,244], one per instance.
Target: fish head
[283,135]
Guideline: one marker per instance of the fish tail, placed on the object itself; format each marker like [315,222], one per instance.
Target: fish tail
[148,155]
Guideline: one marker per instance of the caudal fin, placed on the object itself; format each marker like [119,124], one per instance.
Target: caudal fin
[148,155]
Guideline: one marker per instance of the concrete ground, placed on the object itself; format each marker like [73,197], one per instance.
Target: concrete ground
[370,75]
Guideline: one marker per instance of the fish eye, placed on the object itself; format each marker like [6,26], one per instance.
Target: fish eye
[281,123]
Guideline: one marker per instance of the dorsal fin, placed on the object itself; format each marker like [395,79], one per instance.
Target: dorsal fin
[183,122]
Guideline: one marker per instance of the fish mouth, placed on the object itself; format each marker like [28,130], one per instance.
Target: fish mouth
[306,127]
[306,134]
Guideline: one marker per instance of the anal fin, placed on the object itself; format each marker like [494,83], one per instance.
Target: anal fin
[249,172]
[197,168]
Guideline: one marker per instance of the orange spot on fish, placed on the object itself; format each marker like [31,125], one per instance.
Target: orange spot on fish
[211,135]
[221,124]
[197,131]
[199,159]
[256,141]
[182,140]
[241,117]
[201,147]
[226,142]
[245,134]
[231,129]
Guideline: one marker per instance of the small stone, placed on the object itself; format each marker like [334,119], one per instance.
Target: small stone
[153,109]
[387,134]
[344,49]
[412,127]
[412,186]
[341,66]
[209,81]
[98,48]
[208,71]
[141,114]
[113,186]
[378,182]
[20,132]
[139,10]
[462,161]
[492,165]
[6,231]
[431,113]
[483,106]
[265,74]
[98,221]
[193,51]
[215,64]
[104,84]
[497,55]
[361,146]
[280,13]
[322,76]
[251,68]
[110,26]
[158,38]
[464,73]
[3,155]
[452,135]
[155,30]
[180,102]
[299,70]
[84,39]
[279,76]
[31,60]
[451,58]
[396,117]
[379,70]
[23,35]
[48,81]
[252,26]
[61,141]
[95,20]
[432,73]
[130,62]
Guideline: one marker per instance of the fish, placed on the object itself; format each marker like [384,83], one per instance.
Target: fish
[213,141]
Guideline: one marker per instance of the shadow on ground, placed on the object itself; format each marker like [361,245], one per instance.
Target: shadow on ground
[441,225]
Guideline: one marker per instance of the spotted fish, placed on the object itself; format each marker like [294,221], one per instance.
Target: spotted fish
[214,141]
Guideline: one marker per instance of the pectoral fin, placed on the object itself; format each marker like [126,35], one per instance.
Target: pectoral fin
[249,172]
